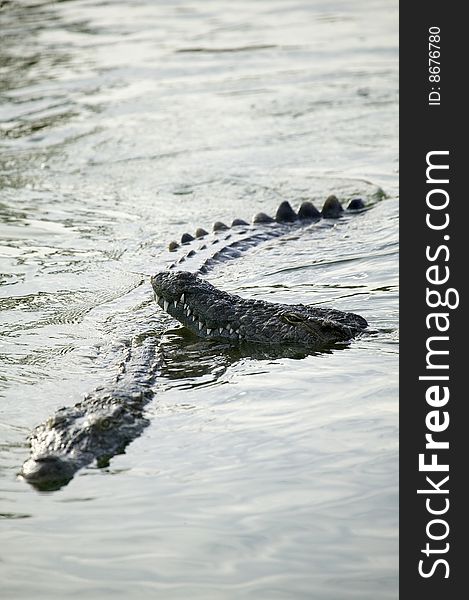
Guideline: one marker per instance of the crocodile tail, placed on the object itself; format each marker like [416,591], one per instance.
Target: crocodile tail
[241,236]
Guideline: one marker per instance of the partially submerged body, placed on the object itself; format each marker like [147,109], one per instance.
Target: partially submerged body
[98,427]
[110,417]
[214,314]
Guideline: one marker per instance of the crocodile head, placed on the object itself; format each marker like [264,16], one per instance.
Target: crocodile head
[214,314]
[95,429]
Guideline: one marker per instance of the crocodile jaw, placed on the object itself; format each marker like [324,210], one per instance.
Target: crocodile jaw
[214,314]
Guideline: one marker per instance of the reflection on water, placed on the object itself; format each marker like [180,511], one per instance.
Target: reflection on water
[194,362]
[122,125]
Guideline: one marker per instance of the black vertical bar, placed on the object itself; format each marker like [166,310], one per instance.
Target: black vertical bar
[434,260]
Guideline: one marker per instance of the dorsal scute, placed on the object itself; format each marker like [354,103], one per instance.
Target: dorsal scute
[219,226]
[308,211]
[263,227]
[186,238]
[332,208]
[238,222]
[262,218]
[356,204]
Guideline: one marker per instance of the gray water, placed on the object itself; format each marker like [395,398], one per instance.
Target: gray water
[124,124]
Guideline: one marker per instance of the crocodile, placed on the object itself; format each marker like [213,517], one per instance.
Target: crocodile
[215,314]
[110,417]
[98,427]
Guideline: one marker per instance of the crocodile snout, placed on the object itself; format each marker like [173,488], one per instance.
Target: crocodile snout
[48,472]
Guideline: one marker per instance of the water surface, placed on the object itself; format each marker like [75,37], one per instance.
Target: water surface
[124,124]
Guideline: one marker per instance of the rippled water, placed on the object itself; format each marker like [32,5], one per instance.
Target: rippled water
[124,124]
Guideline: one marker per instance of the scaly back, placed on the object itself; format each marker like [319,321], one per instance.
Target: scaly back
[201,252]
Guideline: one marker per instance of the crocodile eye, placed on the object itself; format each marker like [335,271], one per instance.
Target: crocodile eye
[292,318]
[105,424]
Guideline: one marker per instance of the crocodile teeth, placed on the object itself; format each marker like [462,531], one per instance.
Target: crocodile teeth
[165,304]
[237,331]
[181,298]
[231,330]
[200,325]
[175,303]
[220,329]
[157,298]
[209,331]
[188,313]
